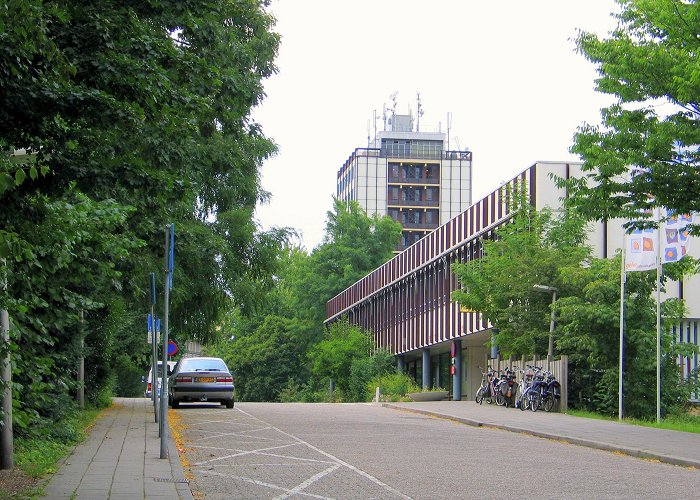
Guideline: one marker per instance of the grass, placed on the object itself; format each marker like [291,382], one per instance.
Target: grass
[685,423]
[39,455]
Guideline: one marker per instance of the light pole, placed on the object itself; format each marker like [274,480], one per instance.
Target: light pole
[545,288]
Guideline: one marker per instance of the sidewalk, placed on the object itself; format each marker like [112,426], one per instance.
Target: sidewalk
[121,459]
[673,447]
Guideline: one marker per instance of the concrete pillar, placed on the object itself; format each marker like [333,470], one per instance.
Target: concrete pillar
[400,363]
[426,368]
[457,377]
[494,347]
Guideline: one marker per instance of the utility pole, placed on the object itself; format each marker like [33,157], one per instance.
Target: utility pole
[81,364]
[6,440]
[169,252]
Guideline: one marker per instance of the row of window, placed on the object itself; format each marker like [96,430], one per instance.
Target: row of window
[413,194]
[411,148]
[428,217]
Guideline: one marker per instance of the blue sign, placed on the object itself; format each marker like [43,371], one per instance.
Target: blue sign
[150,323]
[172,348]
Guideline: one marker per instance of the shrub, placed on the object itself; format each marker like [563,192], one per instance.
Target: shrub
[393,386]
[363,370]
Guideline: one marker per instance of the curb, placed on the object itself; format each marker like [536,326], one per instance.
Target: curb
[634,452]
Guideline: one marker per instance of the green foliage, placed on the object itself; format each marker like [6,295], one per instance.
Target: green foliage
[537,248]
[354,244]
[530,250]
[392,386]
[363,370]
[266,361]
[38,455]
[126,116]
[333,356]
[649,64]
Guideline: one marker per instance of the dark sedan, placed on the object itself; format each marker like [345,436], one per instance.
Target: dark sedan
[200,380]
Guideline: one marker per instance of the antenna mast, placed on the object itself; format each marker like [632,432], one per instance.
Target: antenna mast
[419,113]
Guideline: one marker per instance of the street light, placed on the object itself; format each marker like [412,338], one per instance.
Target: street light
[545,288]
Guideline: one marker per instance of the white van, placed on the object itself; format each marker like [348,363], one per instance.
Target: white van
[149,379]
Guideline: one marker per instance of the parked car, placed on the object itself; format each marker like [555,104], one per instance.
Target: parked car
[149,379]
[200,379]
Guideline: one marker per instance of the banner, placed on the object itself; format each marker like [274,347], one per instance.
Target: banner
[641,247]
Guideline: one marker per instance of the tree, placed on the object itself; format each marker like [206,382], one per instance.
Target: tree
[265,361]
[354,244]
[132,115]
[530,250]
[333,356]
[537,248]
[650,64]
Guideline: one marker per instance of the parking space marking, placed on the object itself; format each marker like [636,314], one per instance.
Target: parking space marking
[302,486]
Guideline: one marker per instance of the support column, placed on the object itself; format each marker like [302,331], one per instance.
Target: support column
[426,368]
[400,363]
[457,376]
[494,347]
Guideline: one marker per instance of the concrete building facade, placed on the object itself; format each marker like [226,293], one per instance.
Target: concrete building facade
[410,176]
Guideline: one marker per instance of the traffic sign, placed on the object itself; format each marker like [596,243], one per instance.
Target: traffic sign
[172,348]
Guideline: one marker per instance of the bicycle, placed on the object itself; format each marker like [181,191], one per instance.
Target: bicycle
[486,390]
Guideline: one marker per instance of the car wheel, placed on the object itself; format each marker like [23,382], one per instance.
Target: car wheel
[175,403]
[229,403]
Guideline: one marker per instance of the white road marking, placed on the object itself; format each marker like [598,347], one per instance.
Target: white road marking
[260,483]
[243,453]
[302,486]
[334,458]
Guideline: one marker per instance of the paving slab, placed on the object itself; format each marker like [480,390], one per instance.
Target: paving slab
[120,459]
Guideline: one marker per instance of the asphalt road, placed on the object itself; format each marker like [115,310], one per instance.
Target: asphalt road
[267,450]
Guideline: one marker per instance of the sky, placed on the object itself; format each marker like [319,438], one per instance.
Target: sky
[507,72]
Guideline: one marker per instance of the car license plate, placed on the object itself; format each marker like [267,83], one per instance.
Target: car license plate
[205,379]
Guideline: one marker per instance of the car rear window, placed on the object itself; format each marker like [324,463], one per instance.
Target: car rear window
[198,364]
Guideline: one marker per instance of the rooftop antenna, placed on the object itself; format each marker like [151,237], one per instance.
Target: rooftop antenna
[449,126]
[419,113]
[384,110]
[393,106]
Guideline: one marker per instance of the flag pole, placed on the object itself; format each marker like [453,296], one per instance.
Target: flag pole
[658,317]
[622,327]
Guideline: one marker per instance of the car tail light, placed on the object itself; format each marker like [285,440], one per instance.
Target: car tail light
[183,379]
[148,387]
[225,379]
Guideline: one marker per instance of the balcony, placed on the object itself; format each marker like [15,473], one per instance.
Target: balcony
[412,203]
[434,181]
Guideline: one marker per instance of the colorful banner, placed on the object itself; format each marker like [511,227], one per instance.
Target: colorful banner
[641,245]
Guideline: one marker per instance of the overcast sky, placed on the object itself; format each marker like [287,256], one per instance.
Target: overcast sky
[506,71]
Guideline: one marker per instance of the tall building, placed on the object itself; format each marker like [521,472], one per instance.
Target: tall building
[409,175]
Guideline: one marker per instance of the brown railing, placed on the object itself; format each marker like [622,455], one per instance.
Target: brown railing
[412,180]
[413,203]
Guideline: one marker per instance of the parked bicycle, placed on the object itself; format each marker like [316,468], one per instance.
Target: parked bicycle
[526,376]
[487,389]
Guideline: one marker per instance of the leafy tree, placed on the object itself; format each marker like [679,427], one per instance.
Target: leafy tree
[649,63]
[364,370]
[354,244]
[131,115]
[265,361]
[333,356]
[530,250]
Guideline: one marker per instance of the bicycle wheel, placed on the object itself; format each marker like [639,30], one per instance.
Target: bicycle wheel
[548,402]
[480,395]
[535,400]
[500,398]
[524,402]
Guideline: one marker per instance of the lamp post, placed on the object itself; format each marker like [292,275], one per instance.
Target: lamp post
[553,290]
